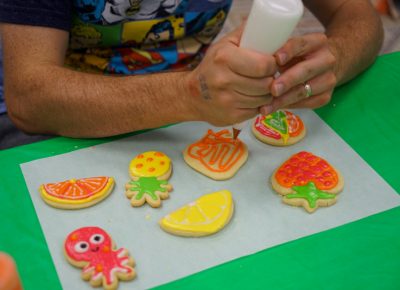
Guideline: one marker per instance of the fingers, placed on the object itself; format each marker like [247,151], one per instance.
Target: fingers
[300,46]
[319,63]
[322,88]
[250,86]
[252,102]
[245,62]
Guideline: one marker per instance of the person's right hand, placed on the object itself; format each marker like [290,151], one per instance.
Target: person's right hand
[231,83]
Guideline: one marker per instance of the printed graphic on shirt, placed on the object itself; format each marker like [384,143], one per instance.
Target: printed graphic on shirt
[142,36]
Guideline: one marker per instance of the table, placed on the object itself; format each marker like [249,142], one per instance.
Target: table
[360,255]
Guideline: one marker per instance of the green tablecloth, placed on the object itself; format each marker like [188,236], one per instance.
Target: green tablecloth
[360,255]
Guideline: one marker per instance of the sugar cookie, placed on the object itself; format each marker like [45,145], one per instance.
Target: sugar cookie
[149,172]
[307,180]
[281,128]
[147,189]
[216,155]
[151,164]
[92,249]
[77,193]
[204,216]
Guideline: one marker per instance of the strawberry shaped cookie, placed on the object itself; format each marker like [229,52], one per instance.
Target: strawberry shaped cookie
[281,128]
[307,180]
[216,155]
[92,249]
[149,172]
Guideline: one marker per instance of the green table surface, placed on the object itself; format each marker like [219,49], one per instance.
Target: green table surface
[361,255]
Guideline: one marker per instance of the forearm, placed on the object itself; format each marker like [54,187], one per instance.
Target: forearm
[355,36]
[69,103]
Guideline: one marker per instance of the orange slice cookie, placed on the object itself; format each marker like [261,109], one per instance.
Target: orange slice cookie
[77,193]
[307,180]
[281,128]
[204,216]
[92,249]
[149,172]
[216,155]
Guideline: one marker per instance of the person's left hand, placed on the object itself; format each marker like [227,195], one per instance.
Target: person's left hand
[303,60]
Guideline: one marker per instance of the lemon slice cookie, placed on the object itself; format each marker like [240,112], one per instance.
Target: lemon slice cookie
[204,216]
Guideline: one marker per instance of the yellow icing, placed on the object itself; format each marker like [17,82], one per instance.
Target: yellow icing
[206,215]
[150,164]
[49,197]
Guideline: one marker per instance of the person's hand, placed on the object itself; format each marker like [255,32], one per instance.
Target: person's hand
[231,84]
[303,60]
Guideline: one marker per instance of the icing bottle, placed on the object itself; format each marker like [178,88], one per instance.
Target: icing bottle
[9,278]
[269,25]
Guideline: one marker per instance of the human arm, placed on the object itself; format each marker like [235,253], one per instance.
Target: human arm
[350,44]
[43,96]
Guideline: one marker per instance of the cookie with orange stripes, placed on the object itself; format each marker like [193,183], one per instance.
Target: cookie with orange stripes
[77,193]
[149,172]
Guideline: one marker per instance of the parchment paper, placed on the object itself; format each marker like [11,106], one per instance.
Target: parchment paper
[260,220]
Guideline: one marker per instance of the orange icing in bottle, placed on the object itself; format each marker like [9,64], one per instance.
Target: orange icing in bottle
[216,152]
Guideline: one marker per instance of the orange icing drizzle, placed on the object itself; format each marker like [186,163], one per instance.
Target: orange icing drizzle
[295,124]
[217,153]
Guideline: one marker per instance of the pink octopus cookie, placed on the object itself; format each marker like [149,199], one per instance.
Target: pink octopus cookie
[92,249]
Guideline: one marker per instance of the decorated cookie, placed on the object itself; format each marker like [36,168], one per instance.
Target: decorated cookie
[92,249]
[216,155]
[77,193]
[307,180]
[149,172]
[281,128]
[151,164]
[147,189]
[204,216]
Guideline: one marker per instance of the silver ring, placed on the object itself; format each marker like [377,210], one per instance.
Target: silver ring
[308,89]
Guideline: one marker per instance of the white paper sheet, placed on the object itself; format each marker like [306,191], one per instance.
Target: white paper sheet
[260,220]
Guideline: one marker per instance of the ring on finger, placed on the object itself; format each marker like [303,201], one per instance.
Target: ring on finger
[308,89]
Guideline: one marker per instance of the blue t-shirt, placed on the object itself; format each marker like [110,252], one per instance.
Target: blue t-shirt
[126,36]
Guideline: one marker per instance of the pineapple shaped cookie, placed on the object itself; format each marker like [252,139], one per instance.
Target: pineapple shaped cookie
[149,172]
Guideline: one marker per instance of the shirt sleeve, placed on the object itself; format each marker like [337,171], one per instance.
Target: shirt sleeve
[53,13]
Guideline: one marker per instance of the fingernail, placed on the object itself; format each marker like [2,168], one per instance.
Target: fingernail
[279,88]
[282,58]
[266,110]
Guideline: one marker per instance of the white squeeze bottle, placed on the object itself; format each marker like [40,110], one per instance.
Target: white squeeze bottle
[269,25]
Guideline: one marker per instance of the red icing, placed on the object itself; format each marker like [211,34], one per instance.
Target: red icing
[304,167]
[265,130]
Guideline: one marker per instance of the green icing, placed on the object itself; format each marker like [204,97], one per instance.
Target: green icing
[311,193]
[277,121]
[149,186]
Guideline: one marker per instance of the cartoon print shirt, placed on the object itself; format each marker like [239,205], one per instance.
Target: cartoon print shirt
[142,36]
[125,36]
